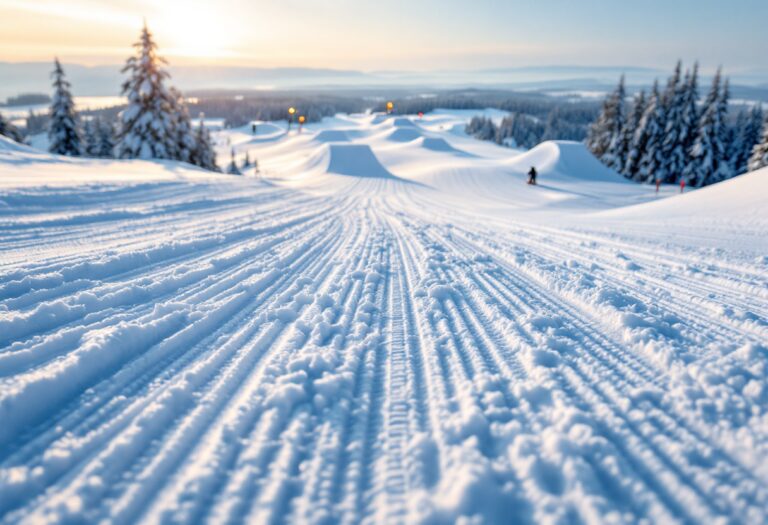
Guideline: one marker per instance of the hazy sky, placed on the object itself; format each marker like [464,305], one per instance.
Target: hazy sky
[393,34]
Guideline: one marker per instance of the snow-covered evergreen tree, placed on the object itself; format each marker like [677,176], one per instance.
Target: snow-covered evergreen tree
[106,135]
[9,130]
[232,169]
[604,139]
[635,143]
[204,155]
[481,128]
[651,140]
[759,158]
[91,138]
[689,115]
[673,149]
[148,124]
[63,135]
[709,155]
[246,161]
[185,136]
[746,136]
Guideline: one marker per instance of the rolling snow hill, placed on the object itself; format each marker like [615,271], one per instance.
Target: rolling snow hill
[379,331]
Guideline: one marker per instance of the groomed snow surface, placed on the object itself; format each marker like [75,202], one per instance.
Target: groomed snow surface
[385,325]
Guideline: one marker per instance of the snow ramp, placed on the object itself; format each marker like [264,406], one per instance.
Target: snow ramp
[356,160]
[404,134]
[439,144]
[332,135]
[568,159]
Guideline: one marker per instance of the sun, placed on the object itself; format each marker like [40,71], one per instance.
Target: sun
[198,32]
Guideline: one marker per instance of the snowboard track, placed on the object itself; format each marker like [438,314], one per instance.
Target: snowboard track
[272,356]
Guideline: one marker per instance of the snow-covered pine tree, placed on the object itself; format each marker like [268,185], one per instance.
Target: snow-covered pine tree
[246,161]
[63,135]
[185,137]
[673,149]
[634,148]
[651,165]
[148,124]
[204,155]
[689,115]
[232,169]
[9,130]
[604,139]
[759,158]
[91,138]
[745,136]
[709,155]
[106,140]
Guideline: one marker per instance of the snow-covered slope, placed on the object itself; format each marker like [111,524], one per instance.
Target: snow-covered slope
[324,342]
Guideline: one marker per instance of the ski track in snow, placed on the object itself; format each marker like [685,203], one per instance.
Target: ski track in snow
[240,351]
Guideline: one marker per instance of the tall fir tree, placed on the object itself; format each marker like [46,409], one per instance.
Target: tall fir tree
[204,155]
[759,158]
[673,149]
[747,137]
[148,124]
[709,155]
[604,139]
[91,138]
[634,144]
[651,164]
[63,135]
[7,129]
[690,114]
[182,127]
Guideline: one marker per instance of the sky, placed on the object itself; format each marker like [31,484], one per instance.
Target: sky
[392,34]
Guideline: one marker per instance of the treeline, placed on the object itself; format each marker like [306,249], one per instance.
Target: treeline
[155,123]
[240,110]
[533,118]
[519,130]
[27,99]
[671,134]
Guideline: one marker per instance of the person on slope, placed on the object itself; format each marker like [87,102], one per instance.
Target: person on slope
[682,184]
[532,176]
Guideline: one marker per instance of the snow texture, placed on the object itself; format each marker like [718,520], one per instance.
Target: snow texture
[380,332]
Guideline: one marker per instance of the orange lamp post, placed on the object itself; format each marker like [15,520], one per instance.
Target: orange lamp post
[390,107]
[302,119]
[291,112]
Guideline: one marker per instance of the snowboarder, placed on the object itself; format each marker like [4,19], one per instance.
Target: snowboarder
[658,184]
[532,176]
[253,128]
[682,185]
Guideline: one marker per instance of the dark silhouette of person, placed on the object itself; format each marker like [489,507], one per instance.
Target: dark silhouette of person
[532,176]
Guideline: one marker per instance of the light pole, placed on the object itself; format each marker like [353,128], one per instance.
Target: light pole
[302,118]
[291,111]
[390,107]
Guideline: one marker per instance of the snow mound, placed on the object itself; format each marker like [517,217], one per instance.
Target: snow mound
[404,135]
[568,159]
[332,135]
[439,144]
[741,198]
[357,160]
[378,119]
[402,122]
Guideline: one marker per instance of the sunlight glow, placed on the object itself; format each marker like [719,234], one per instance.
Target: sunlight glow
[194,32]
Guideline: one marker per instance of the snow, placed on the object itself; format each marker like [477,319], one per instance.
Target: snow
[380,331]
